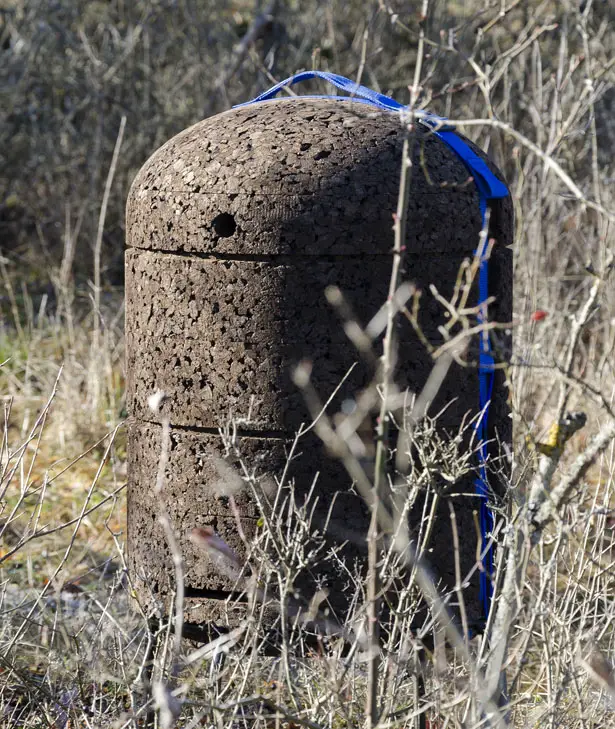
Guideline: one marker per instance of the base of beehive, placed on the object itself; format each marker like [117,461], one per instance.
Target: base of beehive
[203,488]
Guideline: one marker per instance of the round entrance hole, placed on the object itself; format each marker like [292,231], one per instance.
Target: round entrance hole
[224,225]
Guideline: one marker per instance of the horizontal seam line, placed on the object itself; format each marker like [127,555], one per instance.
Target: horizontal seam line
[441,191]
[282,257]
[210,430]
[204,593]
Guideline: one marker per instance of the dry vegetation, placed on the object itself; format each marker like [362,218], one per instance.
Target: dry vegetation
[531,81]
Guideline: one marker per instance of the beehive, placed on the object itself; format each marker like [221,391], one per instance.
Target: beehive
[235,227]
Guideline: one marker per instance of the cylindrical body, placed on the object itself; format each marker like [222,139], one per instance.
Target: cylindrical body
[235,228]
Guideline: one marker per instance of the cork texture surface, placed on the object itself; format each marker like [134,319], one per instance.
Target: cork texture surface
[235,228]
[197,492]
[221,338]
[308,177]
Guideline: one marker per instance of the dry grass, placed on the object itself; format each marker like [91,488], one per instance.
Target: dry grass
[48,370]
[72,650]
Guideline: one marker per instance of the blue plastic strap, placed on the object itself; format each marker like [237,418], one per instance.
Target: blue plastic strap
[486,370]
[356,93]
[489,187]
[341,82]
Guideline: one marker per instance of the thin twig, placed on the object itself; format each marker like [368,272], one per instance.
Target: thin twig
[94,375]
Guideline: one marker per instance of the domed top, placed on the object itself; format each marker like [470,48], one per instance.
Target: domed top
[300,176]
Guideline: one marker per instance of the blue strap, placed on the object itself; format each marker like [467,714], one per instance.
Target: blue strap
[489,187]
[341,82]
[356,91]
[486,371]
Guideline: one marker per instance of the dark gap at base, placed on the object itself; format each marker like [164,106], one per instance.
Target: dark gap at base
[264,434]
[286,257]
[204,593]
[245,433]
